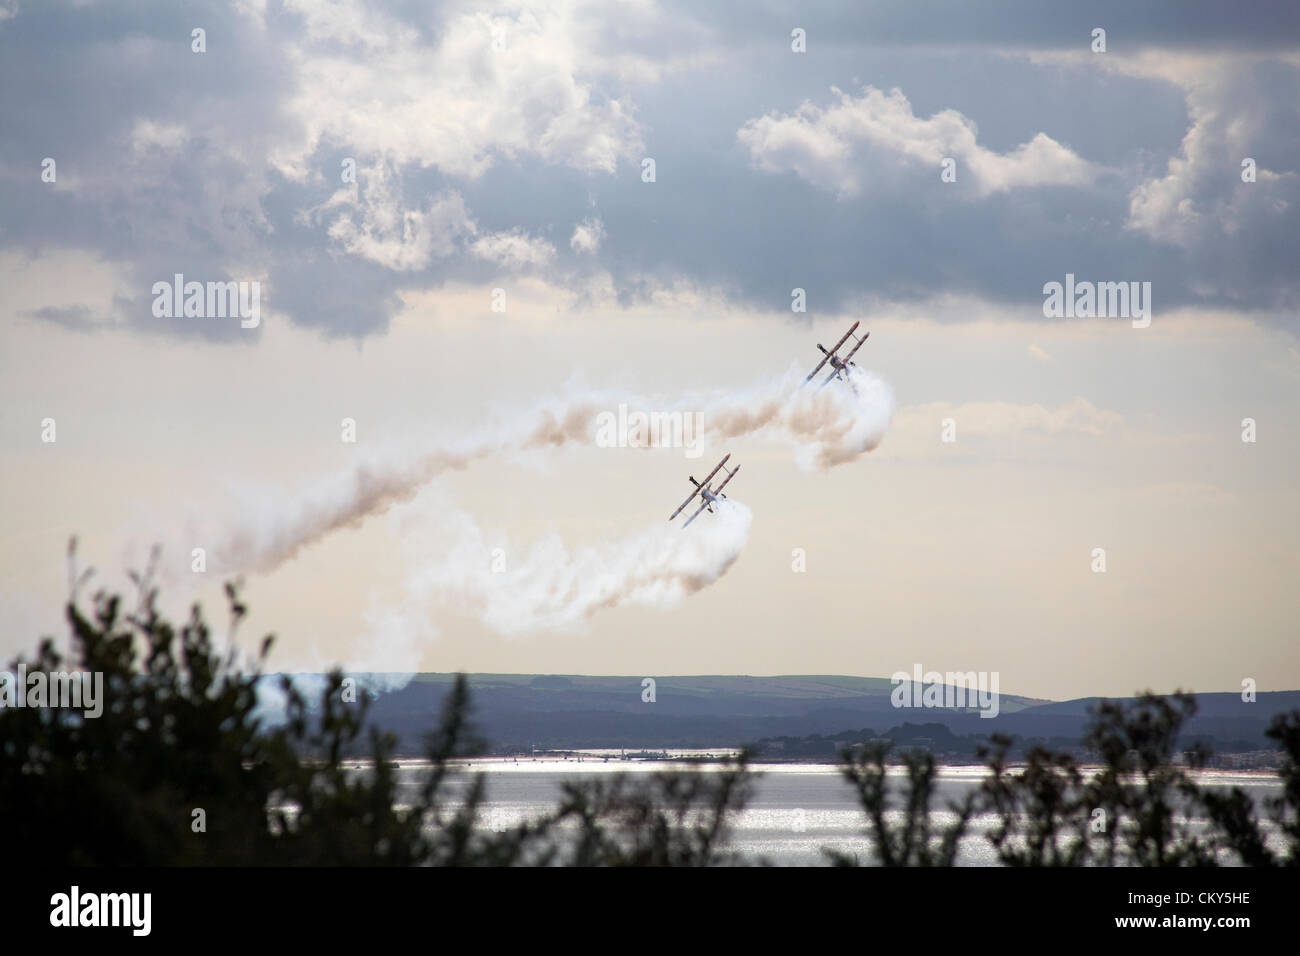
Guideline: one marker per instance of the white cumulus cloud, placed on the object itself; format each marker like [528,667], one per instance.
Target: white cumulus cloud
[587,236]
[831,147]
[486,86]
[375,224]
[514,249]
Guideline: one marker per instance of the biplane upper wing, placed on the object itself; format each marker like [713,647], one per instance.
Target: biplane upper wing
[858,346]
[846,335]
[731,474]
[698,486]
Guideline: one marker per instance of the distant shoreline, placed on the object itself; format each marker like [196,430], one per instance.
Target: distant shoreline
[718,763]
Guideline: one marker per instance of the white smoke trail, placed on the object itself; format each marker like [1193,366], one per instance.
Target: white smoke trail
[551,586]
[270,529]
[826,427]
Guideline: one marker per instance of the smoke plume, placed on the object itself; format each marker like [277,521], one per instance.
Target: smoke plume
[550,586]
[826,427]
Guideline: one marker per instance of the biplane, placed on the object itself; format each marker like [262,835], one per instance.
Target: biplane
[708,496]
[839,366]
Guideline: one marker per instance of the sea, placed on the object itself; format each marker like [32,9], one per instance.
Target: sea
[797,811]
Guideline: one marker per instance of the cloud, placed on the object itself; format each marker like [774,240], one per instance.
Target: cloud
[1039,353]
[587,236]
[1240,103]
[493,129]
[228,169]
[376,225]
[834,147]
[484,87]
[1201,197]
[150,135]
[514,249]
[75,318]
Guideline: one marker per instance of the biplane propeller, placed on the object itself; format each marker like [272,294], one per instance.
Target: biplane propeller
[708,496]
[839,366]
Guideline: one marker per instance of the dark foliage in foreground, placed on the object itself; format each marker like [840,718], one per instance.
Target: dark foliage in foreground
[180,769]
[911,841]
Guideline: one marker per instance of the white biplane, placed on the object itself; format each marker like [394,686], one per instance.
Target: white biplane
[708,496]
[839,366]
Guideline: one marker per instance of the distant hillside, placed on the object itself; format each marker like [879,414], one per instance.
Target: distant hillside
[519,711]
[559,711]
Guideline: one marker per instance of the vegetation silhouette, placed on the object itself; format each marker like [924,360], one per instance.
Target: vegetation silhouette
[183,768]
[1236,830]
[912,840]
[669,818]
[1042,817]
[180,736]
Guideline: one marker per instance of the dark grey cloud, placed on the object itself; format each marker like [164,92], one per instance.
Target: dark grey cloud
[78,318]
[165,161]
[1206,24]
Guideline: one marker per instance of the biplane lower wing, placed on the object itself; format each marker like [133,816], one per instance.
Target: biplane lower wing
[698,512]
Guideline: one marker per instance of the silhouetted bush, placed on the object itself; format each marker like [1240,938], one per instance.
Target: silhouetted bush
[181,732]
[1042,817]
[911,840]
[1232,813]
[179,736]
[1139,787]
[661,819]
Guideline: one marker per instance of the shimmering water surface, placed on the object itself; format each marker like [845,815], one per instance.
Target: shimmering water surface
[796,810]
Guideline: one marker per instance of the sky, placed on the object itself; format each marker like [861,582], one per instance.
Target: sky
[450,218]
